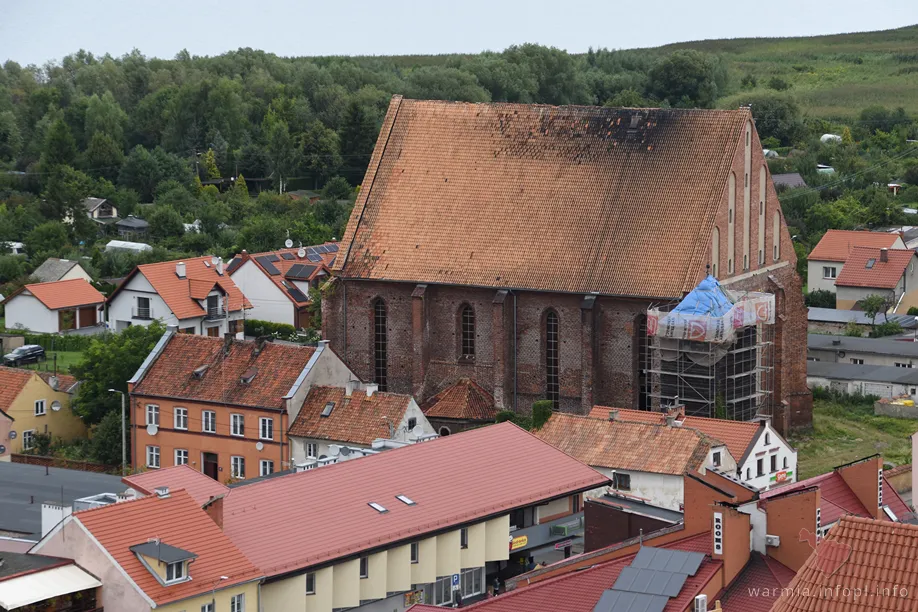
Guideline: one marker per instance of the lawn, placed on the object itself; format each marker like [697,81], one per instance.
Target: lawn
[844,432]
[65,359]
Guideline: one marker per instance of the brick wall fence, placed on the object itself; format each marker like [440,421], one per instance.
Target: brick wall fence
[69,464]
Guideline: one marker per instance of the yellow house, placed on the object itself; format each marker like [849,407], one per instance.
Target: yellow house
[38,403]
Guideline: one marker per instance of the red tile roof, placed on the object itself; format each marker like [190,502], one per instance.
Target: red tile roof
[200,487]
[883,275]
[63,294]
[14,380]
[624,445]
[579,591]
[284,265]
[485,194]
[463,400]
[172,374]
[329,505]
[179,521]
[739,436]
[875,557]
[757,587]
[181,294]
[836,245]
[65,382]
[357,419]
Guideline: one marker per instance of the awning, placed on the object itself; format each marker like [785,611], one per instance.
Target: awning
[42,585]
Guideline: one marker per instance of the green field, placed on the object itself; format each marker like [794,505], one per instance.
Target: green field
[65,359]
[844,432]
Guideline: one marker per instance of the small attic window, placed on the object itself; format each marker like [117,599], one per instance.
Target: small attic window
[200,370]
[248,376]
[378,507]
[206,264]
[870,263]
[328,409]
[635,121]
[405,500]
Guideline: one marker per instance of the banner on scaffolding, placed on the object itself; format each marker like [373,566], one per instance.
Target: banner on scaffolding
[711,314]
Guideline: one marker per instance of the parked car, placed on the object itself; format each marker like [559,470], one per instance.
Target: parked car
[30,353]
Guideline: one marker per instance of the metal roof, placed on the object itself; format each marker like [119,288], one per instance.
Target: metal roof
[162,552]
[45,584]
[865,373]
[665,559]
[878,346]
[831,315]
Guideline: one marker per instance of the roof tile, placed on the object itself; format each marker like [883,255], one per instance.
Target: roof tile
[464,400]
[196,484]
[357,419]
[63,294]
[836,245]
[284,265]
[885,275]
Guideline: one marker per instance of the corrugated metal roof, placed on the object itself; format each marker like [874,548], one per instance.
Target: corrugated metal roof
[831,315]
[865,373]
[879,346]
[45,584]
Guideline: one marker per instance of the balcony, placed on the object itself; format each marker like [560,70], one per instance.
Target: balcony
[142,312]
[215,312]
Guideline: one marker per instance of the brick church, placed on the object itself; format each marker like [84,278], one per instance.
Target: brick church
[520,247]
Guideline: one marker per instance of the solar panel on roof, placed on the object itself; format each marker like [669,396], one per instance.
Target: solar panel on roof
[668,560]
[296,294]
[313,257]
[234,263]
[300,272]
[622,601]
[272,257]
[332,248]
[652,582]
[288,256]
[267,265]
[322,249]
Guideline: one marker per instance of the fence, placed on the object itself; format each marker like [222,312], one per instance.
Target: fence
[68,464]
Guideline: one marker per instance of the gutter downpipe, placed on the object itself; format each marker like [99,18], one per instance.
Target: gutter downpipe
[345,319]
[515,342]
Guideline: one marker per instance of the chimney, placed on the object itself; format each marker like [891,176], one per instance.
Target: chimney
[54,382]
[220,266]
[613,414]
[349,387]
[260,344]
[371,388]
[884,255]
[214,509]
[731,540]
[670,420]
[161,492]
[180,269]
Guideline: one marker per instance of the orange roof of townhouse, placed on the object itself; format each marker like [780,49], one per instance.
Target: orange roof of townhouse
[201,487]
[56,295]
[485,194]
[739,436]
[182,294]
[836,245]
[463,400]
[862,565]
[356,419]
[285,266]
[636,446]
[864,268]
[14,380]
[204,369]
[176,520]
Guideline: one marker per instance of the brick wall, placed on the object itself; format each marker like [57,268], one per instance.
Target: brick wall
[69,464]
[606,525]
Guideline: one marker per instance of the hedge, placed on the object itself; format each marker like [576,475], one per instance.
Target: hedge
[59,343]
[254,327]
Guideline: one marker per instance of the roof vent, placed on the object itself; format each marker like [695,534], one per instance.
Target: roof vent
[248,376]
[200,370]
[379,508]
[371,388]
[670,420]
[884,255]
[161,492]
[836,342]
[349,387]
[613,414]
[180,269]
[328,409]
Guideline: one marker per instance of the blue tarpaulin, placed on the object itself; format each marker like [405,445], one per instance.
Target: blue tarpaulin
[707,299]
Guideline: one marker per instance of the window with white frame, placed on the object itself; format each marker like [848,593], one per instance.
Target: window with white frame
[209,421]
[237,603]
[472,582]
[311,583]
[265,467]
[153,456]
[28,439]
[829,272]
[312,449]
[208,607]
[181,456]
[266,428]
[442,592]
[904,365]
[857,361]
[237,424]
[152,414]
[181,418]
[717,459]
[175,571]
[40,409]
[364,567]
[238,467]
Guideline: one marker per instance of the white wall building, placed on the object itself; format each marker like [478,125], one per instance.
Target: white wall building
[828,257]
[51,308]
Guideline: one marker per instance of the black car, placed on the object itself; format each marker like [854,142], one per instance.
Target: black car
[30,353]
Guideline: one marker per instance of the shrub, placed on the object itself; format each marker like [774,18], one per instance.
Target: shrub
[889,328]
[913,311]
[541,412]
[778,84]
[254,327]
[522,420]
[820,298]
[853,330]
[54,342]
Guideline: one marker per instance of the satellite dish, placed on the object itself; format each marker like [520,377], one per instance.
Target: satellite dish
[301,253]
[152,429]
[214,259]
[2,449]
[259,446]
[418,431]
[288,243]
[12,435]
[55,405]
[345,451]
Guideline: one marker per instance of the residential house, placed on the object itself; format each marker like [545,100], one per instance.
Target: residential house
[161,552]
[354,417]
[49,584]
[196,295]
[199,486]
[462,405]
[132,227]
[643,460]
[54,269]
[790,180]
[38,403]
[278,282]
[223,406]
[15,248]
[420,301]
[859,567]
[871,271]
[6,426]
[100,210]
[862,351]
[764,459]
[832,321]
[848,378]
[55,307]
[827,259]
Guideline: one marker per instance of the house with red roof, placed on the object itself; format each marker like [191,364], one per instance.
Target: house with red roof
[196,295]
[827,259]
[277,283]
[878,271]
[160,552]
[36,403]
[462,405]
[54,307]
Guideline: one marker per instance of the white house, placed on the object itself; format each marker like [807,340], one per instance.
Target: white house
[54,269]
[278,283]
[54,307]
[196,295]
[827,258]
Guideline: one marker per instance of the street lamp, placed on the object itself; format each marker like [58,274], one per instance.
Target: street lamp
[213,593]
[123,434]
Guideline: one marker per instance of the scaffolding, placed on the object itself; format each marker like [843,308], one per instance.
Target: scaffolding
[712,353]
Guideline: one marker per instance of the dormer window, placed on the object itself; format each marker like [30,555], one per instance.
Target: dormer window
[175,571]
[169,564]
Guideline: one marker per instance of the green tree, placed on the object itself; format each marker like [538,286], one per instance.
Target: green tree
[104,115]
[320,150]
[555,72]
[443,83]
[140,172]
[357,135]
[109,362]
[337,188]
[103,157]
[872,305]
[65,190]
[165,222]
[213,216]
[105,445]
[60,147]
[777,116]
[10,137]
[820,298]
[688,78]
[627,98]
[209,165]
[49,239]
[853,330]
[281,150]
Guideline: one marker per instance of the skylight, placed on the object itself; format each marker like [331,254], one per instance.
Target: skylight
[379,508]
[328,409]
[870,263]
[405,499]
[248,375]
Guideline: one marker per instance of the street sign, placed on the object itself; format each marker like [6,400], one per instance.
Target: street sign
[455,582]
[564,544]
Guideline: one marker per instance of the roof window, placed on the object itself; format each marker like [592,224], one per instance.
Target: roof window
[200,370]
[870,263]
[405,500]
[248,376]
[378,507]
[328,409]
